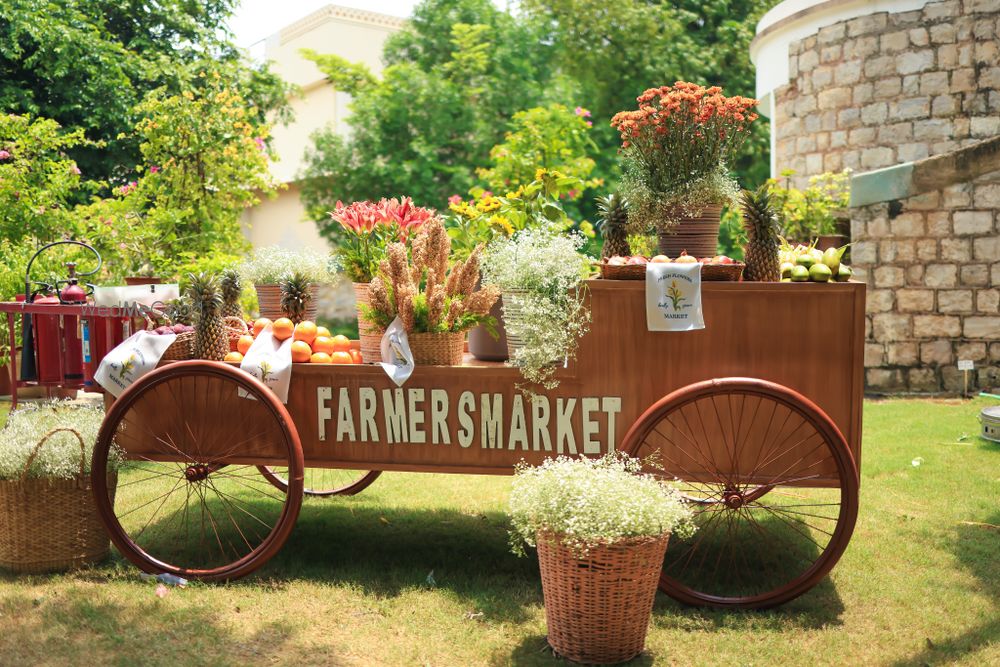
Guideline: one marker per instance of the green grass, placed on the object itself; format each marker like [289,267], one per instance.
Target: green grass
[919,584]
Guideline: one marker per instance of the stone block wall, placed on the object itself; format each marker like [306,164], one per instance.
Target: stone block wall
[886,88]
[932,264]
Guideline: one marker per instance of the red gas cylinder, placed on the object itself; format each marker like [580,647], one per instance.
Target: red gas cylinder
[73,294]
[48,343]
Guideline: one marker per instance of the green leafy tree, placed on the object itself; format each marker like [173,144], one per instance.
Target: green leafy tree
[88,63]
[38,179]
[456,75]
[616,49]
[206,161]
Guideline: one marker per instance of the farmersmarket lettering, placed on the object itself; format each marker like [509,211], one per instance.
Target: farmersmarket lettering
[417,416]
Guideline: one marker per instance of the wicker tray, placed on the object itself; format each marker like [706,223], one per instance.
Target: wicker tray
[623,271]
[730,272]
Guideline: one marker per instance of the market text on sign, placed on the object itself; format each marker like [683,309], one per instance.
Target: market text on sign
[418,416]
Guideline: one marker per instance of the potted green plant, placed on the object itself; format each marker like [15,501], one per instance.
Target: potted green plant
[815,212]
[540,272]
[601,528]
[268,266]
[436,301]
[676,148]
[48,518]
[368,228]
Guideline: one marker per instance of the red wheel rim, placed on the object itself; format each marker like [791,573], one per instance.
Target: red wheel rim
[772,482]
[189,500]
[324,482]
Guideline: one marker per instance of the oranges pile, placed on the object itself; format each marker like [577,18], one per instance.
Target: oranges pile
[311,344]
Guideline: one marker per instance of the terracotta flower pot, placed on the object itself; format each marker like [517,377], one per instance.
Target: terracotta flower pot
[698,235]
[132,281]
[269,302]
[485,347]
[369,333]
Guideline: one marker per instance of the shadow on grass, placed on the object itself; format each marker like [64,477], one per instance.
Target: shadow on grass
[977,549]
[81,626]
[535,650]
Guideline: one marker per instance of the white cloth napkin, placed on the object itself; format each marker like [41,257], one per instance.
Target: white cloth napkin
[270,361]
[397,359]
[137,355]
[673,297]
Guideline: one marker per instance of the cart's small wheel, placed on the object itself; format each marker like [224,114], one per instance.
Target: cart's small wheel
[189,500]
[324,482]
[773,485]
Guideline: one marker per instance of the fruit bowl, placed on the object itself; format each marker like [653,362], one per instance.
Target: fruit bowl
[623,271]
[730,272]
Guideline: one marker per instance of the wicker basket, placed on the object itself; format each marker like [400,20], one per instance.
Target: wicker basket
[730,272]
[597,608]
[269,302]
[436,349]
[623,271]
[48,525]
[236,327]
[368,333]
[183,346]
[697,235]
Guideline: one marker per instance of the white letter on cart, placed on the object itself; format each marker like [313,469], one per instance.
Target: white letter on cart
[540,422]
[395,417]
[439,417]
[518,426]
[588,405]
[369,429]
[611,405]
[466,404]
[491,423]
[323,394]
[345,417]
[564,425]
[416,415]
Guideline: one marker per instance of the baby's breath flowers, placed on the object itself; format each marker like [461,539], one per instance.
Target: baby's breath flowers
[588,502]
[60,456]
[540,272]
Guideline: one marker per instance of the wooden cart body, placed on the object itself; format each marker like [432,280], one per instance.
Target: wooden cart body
[474,418]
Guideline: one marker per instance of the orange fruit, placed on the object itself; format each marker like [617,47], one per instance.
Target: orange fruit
[356,356]
[323,344]
[234,356]
[320,358]
[282,328]
[340,357]
[244,343]
[341,343]
[305,331]
[301,352]
[323,331]
[259,325]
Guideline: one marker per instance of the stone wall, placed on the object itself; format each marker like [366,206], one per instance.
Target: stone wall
[887,88]
[932,264]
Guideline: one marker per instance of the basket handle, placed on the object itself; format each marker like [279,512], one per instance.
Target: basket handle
[240,324]
[34,452]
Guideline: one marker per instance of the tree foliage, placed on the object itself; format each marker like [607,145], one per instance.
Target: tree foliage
[87,64]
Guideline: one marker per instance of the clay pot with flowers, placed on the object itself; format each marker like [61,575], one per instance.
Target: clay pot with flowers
[676,148]
[368,229]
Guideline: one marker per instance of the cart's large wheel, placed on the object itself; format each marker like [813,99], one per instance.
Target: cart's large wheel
[773,485]
[324,482]
[189,500]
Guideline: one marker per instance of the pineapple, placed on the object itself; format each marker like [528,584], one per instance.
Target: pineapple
[295,296]
[761,223]
[211,338]
[612,224]
[232,289]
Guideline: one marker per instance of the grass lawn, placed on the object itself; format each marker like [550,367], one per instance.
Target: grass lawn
[416,571]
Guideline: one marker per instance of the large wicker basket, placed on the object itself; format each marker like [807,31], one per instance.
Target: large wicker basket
[436,349]
[598,607]
[368,333]
[48,525]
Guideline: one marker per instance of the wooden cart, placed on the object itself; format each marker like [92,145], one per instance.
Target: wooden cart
[758,417]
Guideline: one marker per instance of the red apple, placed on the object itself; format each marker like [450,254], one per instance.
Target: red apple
[637,260]
[617,260]
[722,259]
